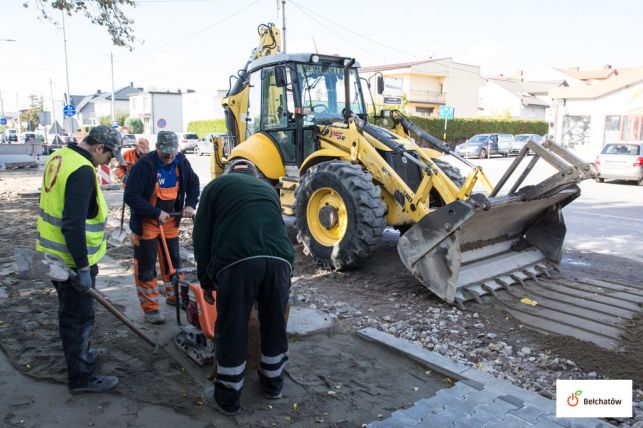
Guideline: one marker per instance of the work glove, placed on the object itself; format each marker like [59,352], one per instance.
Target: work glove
[83,280]
[207,286]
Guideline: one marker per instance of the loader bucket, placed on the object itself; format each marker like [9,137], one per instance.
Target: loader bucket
[462,251]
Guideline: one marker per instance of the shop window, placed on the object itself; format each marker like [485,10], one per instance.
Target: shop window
[576,131]
[612,129]
[424,111]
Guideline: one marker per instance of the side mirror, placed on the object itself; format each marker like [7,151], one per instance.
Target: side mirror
[380,85]
[280,76]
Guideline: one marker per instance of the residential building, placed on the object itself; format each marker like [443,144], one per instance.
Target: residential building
[202,105]
[428,84]
[516,98]
[603,110]
[92,107]
[159,110]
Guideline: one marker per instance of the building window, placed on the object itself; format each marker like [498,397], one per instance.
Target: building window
[576,131]
[631,130]
[424,111]
[612,129]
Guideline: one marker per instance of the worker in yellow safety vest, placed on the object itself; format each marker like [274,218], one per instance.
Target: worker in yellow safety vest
[71,225]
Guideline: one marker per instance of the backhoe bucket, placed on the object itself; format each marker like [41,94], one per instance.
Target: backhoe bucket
[462,251]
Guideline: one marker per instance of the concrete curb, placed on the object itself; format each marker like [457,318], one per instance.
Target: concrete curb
[526,401]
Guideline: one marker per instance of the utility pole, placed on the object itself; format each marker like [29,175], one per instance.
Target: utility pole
[283,23]
[71,119]
[19,124]
[1,105]
[53,111]
[111,59]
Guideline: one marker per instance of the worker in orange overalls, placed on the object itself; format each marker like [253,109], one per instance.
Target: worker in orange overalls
[131,156]
[160,183]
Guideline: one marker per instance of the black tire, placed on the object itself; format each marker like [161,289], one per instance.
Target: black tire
[197,151]
[599,180]
[640,183]
[451,171]
[364,214]
[482,154]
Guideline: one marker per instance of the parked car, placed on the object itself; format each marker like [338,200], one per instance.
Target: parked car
[521,139]
[66,139]
[11,135]
[621,161]
[187,141]
[204,146]
[28,136]
[129,140]
[483,145]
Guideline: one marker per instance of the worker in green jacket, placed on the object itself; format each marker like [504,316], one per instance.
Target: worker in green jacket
[243,252]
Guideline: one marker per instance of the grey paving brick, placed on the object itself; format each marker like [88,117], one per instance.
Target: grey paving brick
[415,412]
[498,408]
[471,402]
[545,423]
[473,384]
[448,418]
[577,422]
[509,421]
[512,400]
[476,420]
[529,413]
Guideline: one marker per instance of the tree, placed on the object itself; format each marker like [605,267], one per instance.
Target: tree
[31,116]
[135,125]
[104,13]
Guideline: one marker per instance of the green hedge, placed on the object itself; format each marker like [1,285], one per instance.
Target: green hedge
[202,127]
[458,130]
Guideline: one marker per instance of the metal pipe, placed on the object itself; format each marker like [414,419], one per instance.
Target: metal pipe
[347,88]
[525,173]
[111,60]
[71,119]
[283,23]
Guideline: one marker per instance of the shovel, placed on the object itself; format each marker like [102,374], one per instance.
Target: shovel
[37,265]
[118,236]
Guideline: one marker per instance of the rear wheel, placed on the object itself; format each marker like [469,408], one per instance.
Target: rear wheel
[197,151]
[482,154]
[641,181]
[601,180]
[451,171]
[339,214]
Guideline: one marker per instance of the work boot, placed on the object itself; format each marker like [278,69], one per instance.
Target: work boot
[97,383]
[94,354]
[210,401]
[273,396]
[154,317]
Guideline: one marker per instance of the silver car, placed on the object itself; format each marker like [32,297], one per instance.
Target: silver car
[187,142]
[521,139]
[621,161]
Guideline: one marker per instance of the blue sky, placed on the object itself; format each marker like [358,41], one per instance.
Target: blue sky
[197,44]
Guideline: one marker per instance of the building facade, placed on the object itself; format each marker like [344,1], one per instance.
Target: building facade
[159,110]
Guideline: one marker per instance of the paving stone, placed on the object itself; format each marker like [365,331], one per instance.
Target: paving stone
[415,412]
[473,384]
[509,421]
[576,422]
[545,423]
[448,418]
[477,420]
[512,400]
[529,413]
[498,408]
[471,402]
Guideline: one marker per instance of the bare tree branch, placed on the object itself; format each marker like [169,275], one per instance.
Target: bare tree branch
[104,13]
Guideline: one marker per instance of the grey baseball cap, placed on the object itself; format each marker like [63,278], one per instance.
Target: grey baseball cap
[167,142]
[108,137]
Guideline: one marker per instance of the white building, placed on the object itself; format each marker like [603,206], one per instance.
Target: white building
[159,110]
[516,98]
[202,105]
[587,117]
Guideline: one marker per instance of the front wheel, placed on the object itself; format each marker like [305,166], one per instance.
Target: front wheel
[482,154]
[197,151]
[600,180]
[339,214]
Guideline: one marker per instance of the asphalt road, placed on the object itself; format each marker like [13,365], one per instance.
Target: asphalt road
[607,218]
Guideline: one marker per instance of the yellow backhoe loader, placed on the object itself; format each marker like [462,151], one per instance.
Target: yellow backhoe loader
[302,120]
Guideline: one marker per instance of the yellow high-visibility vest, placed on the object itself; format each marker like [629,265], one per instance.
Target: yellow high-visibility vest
[60,165]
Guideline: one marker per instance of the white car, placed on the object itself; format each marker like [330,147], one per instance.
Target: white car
[205,144]
[187,141]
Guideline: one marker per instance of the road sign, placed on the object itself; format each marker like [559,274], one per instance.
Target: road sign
[446,112]
[392,100]
[161,123]
[69,110]
[3,120]
[114,124]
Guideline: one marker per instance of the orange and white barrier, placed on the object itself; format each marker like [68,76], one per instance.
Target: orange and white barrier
[104,175]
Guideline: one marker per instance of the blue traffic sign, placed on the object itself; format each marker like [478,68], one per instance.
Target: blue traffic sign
[446,112]
[69,110]
[3,120]
[161,123]
[114,124]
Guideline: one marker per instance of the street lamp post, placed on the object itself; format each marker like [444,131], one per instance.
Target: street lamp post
[71,119]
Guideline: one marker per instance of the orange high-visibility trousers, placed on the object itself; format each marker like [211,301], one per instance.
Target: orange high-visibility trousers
[147,248]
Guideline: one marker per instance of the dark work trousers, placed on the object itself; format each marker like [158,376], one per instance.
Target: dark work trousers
[146,252]
[75,323]
[266,281]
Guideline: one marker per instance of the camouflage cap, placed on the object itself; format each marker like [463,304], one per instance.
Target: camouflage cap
[167,142]
[108,137]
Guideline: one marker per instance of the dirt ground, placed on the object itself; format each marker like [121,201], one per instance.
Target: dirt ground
[334,379]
